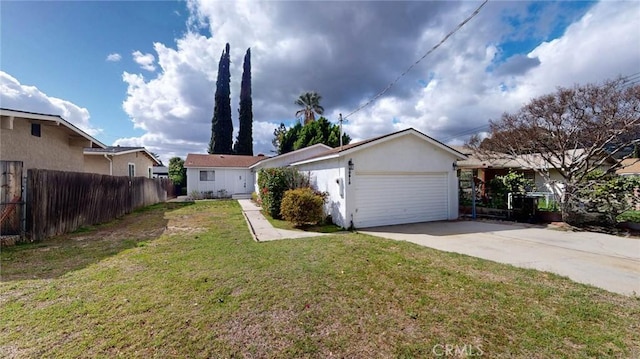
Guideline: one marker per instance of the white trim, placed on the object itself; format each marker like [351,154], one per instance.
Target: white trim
[110,153]
[51,118]
[288,154]
[129,169]
[386,138]
[317,159]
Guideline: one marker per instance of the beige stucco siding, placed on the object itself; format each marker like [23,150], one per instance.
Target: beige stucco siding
[96,164]
[139,159]
[52,150]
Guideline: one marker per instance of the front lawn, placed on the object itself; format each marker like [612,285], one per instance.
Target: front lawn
[204,288]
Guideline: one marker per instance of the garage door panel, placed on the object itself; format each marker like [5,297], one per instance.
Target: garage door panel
[395,199]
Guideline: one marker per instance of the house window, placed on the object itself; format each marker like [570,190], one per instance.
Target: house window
[132,170]
[207,175]
[35,129]
[530,175]
[150,172]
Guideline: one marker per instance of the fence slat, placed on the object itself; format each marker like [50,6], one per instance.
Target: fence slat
[61,202]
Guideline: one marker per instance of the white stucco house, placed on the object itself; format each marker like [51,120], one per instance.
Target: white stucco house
[402,177]
[220,174]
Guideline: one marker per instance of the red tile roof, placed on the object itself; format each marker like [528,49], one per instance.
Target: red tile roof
[198,160]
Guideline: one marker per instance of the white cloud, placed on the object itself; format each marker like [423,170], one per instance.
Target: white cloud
[146,61]
[115,57]
[16,96]
[352,50]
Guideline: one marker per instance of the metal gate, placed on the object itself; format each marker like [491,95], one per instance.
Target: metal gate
[11,201]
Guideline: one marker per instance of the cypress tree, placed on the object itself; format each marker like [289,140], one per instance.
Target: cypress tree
[221,125]
[244,143]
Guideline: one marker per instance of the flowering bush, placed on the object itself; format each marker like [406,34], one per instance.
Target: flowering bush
[273,182]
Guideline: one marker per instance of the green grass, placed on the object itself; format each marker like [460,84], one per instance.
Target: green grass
[320,228]
[201,287]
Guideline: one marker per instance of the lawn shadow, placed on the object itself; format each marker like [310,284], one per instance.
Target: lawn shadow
[62,254]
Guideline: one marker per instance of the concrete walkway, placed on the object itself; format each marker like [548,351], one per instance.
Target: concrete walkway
[262,230]
[602,260]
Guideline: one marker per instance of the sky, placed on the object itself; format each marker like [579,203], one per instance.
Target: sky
[143,73]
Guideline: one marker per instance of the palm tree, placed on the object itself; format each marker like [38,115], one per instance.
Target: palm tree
[310,103]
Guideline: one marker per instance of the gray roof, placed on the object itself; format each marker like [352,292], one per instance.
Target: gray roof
[113,149]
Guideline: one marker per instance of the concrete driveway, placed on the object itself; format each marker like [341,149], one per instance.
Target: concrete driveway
[605,261]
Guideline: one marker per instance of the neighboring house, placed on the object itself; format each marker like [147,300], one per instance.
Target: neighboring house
[228,174]
[120,161]
[402,177]
[43,141]
[629,167]
[160,172]
[488,166]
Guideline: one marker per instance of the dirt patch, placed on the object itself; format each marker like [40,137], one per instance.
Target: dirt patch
[59,255]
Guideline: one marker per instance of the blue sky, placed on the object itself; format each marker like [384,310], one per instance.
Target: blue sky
[156,90]
[62,50]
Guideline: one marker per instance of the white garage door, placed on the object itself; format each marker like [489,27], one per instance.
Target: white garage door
[396,199]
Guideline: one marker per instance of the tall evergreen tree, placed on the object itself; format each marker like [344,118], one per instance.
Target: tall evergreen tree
[221,125]
[244,143]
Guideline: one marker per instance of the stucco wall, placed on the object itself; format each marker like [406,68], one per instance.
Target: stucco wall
[99,164]
[52,150]
[328,176]
[96,164]
[139,159]
[404,155]
[555,187]
[232,180]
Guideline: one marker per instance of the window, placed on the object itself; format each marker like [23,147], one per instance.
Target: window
[132,170]
[207,175]
[150,172]
[35,129]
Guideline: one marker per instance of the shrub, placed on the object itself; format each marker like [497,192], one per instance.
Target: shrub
[302,206]
[273,182]
[501,186]
[256,199]
[629,216]
[608,196]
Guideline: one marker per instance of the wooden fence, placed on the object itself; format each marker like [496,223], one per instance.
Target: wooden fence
[61,202]
[11,205]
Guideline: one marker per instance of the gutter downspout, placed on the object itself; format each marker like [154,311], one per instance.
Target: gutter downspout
[110,164]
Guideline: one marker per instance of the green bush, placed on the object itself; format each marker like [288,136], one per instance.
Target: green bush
[501,186]
[273,182]
[609,196]
[302,206]
[630,216]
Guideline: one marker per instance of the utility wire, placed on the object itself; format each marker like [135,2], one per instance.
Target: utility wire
[470,131]
[626,81]
[373,99]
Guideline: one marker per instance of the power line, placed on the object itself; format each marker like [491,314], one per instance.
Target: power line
[373,99]
[626,81]
[470,131]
